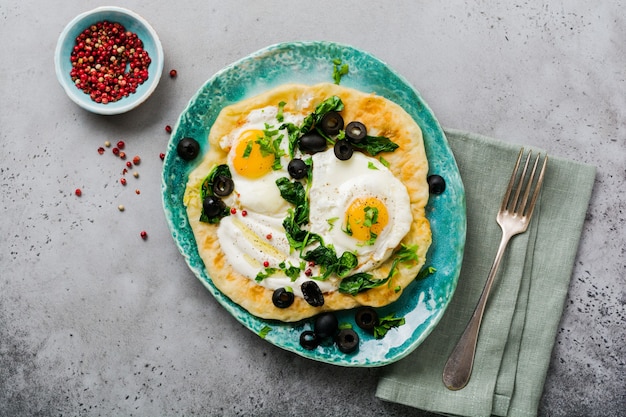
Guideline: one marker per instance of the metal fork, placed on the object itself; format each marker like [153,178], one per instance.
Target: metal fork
[513,218]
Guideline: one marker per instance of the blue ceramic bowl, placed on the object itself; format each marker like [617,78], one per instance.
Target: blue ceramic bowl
[133,23]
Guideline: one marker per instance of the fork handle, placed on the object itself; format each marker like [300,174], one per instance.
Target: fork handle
[458,368]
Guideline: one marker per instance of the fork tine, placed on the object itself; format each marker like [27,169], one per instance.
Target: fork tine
[507,194]
[533,200]
[521,209]
[520,184]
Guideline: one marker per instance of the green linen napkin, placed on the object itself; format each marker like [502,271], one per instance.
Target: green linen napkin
[526,302]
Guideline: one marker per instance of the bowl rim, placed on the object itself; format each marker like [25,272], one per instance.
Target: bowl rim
[90,105]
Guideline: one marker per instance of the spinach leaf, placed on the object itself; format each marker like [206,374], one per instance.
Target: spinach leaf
[206,190]
[376,144]
[360,282]
[333,103]
[294,193]
[425,273]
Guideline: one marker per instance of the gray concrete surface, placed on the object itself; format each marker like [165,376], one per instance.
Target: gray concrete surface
[96,321]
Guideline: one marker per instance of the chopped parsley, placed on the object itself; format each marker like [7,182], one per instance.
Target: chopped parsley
[387,323]
[264,331]
[339,70]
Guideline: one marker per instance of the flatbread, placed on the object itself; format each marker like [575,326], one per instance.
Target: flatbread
[408,163]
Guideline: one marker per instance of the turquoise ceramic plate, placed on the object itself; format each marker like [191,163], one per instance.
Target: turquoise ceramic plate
[423,302]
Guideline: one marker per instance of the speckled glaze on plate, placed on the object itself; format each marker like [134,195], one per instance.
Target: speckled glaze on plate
[423,302]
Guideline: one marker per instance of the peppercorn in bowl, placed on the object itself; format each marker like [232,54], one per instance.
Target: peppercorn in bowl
[108,60]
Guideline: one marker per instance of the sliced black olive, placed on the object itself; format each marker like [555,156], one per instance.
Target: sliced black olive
[297,168]
[309,340]
[312,293]
[331,123]
[356,132]
[282,298]
[326,325]
[213,206]
[188,148]
[312,142]
[343,150]
[223,185]
[347,340]
[366,318]
[436,184]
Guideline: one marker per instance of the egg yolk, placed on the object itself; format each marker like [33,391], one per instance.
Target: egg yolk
[248,160]
[366,217]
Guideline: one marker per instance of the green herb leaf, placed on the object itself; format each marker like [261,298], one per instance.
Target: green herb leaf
[206,190]
[384,162]
[333,103]
[387,323]
[404,254]
[281,108]
[371,165]
[293,272]
[264,331]
[371,216]
[360,282]
[339,70]
[425,273]
[376,144]
[264,274]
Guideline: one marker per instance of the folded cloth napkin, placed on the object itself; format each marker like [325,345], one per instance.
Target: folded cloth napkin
[526,302]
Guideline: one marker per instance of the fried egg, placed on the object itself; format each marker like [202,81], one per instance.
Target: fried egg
[253,167]
[358,206]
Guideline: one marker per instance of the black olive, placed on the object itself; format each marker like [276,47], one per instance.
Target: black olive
[436,184]
[212,206]
[347,340]
[366,318]
[326,325]
[297,168]
[188,148]
[312,293]
[312,142]
[309,340]
[356,132]
[282,298]
[223,185]
[343,150]
[331,123]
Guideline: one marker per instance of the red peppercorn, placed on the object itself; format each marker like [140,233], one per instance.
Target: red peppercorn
[173,73]
[168,129]
[266,264]
[308,272]
[244,213]
[136,160]
[121,144]
[137,191]
[162,156]
[78,192]
[100,58]
[100,150]
[233,211]
[123,181]
[143,235]
[122,155]
[268,236]
[129,164]
[115,151]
